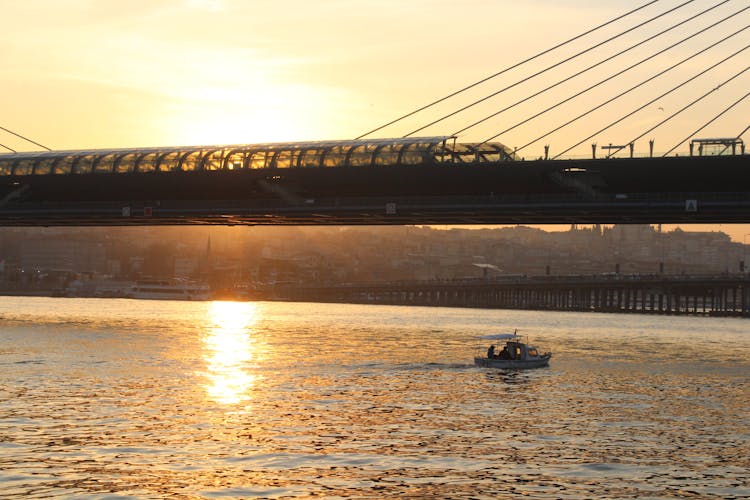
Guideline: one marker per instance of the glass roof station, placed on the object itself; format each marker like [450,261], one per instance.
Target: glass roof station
[359,153]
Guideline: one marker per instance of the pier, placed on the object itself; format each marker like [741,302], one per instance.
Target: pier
[725,295]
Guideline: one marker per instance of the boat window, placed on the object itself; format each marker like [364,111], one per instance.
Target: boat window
[533,352]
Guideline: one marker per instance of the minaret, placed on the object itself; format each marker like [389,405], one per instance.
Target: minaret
[208,266]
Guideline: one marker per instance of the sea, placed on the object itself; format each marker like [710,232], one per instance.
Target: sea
[121,398]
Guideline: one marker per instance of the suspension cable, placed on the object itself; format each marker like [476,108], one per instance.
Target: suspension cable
[714,89]
[24,138]
[701,73]
[709,122]
[516,65]
[606,59]
[9,149]
[612,99]
[524,80]
[739,136]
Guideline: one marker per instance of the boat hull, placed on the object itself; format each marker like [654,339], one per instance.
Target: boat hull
[170,296]
[170,290]
[511,364]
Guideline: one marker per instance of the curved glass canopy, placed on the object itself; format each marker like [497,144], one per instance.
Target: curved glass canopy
[360,153]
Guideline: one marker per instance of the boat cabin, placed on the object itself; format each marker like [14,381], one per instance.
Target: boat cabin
[513,350]
[514,354]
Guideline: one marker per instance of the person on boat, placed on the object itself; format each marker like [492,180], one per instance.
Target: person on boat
[511,352]
[504,354]
[491,352]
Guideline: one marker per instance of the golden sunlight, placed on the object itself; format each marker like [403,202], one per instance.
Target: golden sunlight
[229,347]
[256,112]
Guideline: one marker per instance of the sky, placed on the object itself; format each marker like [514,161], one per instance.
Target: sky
[79,74]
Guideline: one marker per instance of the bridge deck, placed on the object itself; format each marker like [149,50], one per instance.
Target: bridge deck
[640,190]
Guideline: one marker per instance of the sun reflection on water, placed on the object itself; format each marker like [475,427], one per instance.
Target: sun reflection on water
[229,349]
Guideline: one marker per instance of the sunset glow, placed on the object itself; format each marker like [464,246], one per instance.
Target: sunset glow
[178,72]
[375,249]
[82,74]
[229,348]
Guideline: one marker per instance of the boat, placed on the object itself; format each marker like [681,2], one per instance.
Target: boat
[513,356]
[170,290]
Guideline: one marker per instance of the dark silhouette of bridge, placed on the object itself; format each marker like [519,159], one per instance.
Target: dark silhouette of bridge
[436,179]
[402,181]
[642,294]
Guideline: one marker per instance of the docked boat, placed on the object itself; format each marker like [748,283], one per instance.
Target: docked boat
[170,290]
[514,355]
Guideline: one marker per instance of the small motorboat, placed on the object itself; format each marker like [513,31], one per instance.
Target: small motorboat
[513,356]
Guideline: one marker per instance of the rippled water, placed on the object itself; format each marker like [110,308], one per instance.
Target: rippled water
[144,399]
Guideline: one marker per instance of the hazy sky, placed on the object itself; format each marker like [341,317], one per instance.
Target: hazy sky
[107,73]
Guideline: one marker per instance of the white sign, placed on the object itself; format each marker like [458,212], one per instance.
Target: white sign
[390,209]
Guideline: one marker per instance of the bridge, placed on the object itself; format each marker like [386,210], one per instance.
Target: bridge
[429,180]
[435,179]
[725,295]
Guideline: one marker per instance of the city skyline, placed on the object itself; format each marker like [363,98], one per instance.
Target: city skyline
[228,256]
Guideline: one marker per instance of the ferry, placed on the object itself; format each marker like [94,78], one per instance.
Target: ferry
[513,356]
[170,290]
